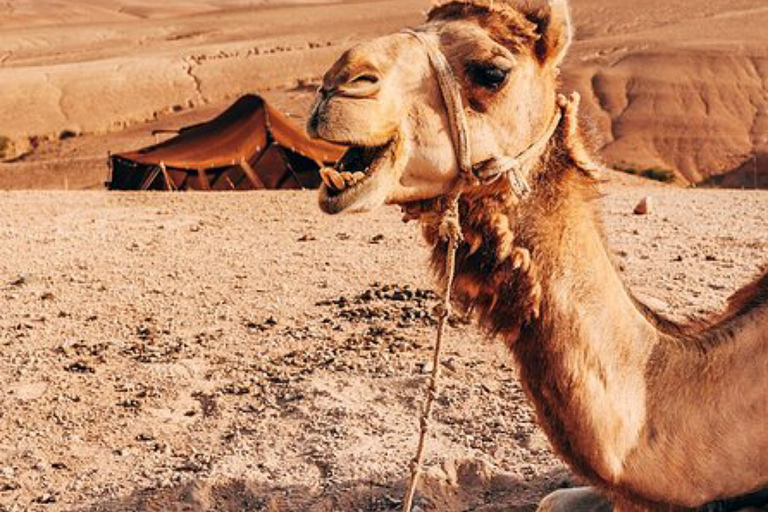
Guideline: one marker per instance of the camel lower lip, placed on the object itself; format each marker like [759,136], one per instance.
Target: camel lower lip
[359,162]
[358,159]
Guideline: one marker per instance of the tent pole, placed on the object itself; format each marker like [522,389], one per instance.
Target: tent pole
[150,179]
[169,185]
[290,168]
[252,175]
[111,175]
[204,183]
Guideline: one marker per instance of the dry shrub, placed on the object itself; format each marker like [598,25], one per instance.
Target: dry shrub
[6,147]
[662,175]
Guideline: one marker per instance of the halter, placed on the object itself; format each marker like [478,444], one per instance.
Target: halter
[450,226]
[489,170]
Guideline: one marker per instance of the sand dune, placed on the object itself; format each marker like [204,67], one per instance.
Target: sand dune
[680,87]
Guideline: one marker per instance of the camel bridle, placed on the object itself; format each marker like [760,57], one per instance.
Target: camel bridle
[515,169]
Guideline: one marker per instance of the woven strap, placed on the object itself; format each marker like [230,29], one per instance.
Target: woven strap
[513,168]
[454,105]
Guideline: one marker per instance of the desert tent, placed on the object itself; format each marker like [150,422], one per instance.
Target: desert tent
[249,146]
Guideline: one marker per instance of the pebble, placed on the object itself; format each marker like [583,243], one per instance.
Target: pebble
[645,206]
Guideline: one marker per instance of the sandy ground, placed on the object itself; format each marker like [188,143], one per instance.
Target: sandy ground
[680,86]
[244,352]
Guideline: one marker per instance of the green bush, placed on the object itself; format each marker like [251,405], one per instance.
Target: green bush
[662,175]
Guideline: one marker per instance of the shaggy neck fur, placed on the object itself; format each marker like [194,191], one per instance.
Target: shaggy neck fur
[611,381]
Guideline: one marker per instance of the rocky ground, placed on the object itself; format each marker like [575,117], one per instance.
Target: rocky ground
[244,352]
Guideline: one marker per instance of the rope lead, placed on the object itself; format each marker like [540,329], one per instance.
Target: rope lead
[450,230]
[450,226]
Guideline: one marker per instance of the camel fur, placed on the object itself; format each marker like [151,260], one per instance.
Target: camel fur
[653,414]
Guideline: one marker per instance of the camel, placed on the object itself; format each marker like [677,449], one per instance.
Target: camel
[652,414]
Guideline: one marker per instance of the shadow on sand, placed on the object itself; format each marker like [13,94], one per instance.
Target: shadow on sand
[751,174]
[463,487]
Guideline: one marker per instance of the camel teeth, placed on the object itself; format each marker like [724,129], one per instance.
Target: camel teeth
[359,176]
[336,179]
[324,175]
[348,178]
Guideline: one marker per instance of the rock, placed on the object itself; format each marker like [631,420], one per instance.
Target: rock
[21,280]
[450,364]
[645,206]
[583,499]
[31,391]
[471,473]
[425,367]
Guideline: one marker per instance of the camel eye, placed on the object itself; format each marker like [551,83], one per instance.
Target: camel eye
[487,75]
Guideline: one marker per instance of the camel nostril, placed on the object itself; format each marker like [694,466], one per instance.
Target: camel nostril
[366,79]
[361,85]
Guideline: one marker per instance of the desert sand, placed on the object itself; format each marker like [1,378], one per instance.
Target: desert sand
[675,86]
[244,351]
[229,352]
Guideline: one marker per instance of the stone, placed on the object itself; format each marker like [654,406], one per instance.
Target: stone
[645,206]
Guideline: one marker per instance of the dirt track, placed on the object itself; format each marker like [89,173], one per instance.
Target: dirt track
[234,352]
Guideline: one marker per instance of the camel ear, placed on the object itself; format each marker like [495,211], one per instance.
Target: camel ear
[555,31]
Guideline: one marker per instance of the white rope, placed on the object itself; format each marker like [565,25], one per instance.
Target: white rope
[450,227]
[514,168]
[451,232]
[454,104]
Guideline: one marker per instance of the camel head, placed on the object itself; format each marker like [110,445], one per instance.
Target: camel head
[382,100]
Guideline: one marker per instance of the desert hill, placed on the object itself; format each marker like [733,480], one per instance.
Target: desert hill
[677,87]
[681,87]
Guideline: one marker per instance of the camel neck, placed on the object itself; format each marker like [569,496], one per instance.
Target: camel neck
[571,355]
[604,375]
[607,379]
[582,361]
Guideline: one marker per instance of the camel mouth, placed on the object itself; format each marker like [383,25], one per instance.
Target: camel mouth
[357,183]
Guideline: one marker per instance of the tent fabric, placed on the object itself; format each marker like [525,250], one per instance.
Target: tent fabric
[249,146]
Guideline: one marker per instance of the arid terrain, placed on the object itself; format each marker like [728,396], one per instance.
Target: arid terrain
[245,352]
[672,87]
[242,351]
